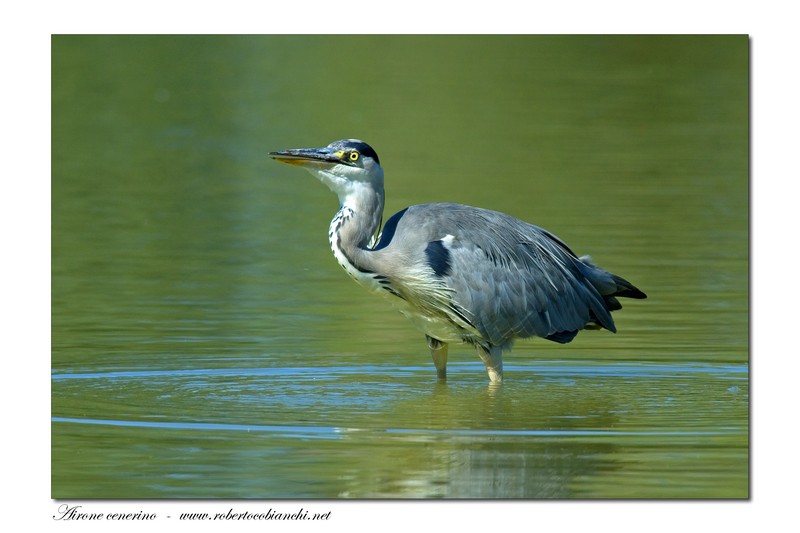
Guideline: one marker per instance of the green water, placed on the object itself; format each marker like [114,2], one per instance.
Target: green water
[205,344]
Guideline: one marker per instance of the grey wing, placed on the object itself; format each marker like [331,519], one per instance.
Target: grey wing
[517,280]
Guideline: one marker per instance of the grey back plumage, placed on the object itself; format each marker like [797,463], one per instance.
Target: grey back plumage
[512,279]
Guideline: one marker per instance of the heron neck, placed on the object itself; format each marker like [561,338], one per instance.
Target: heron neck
[355,225]
[365,209]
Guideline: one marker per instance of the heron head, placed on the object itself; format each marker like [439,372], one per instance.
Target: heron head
[341,165]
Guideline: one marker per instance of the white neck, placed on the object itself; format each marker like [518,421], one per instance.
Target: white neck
[358,219]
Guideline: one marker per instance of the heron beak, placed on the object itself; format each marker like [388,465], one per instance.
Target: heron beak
[307,157]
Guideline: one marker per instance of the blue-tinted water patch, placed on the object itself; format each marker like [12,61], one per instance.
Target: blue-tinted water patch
[288,431]
[544,369]
[336,433]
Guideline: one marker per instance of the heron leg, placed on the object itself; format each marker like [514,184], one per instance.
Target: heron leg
[493,360]
[439,354]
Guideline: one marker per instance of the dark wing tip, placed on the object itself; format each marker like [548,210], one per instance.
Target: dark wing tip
[562,337]
[626,289]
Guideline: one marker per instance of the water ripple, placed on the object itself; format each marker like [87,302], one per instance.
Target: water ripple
[336,432]
[543,369]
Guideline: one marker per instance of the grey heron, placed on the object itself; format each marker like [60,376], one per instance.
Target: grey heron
[460,273]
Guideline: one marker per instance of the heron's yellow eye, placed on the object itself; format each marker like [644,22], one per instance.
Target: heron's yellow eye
[353,156]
